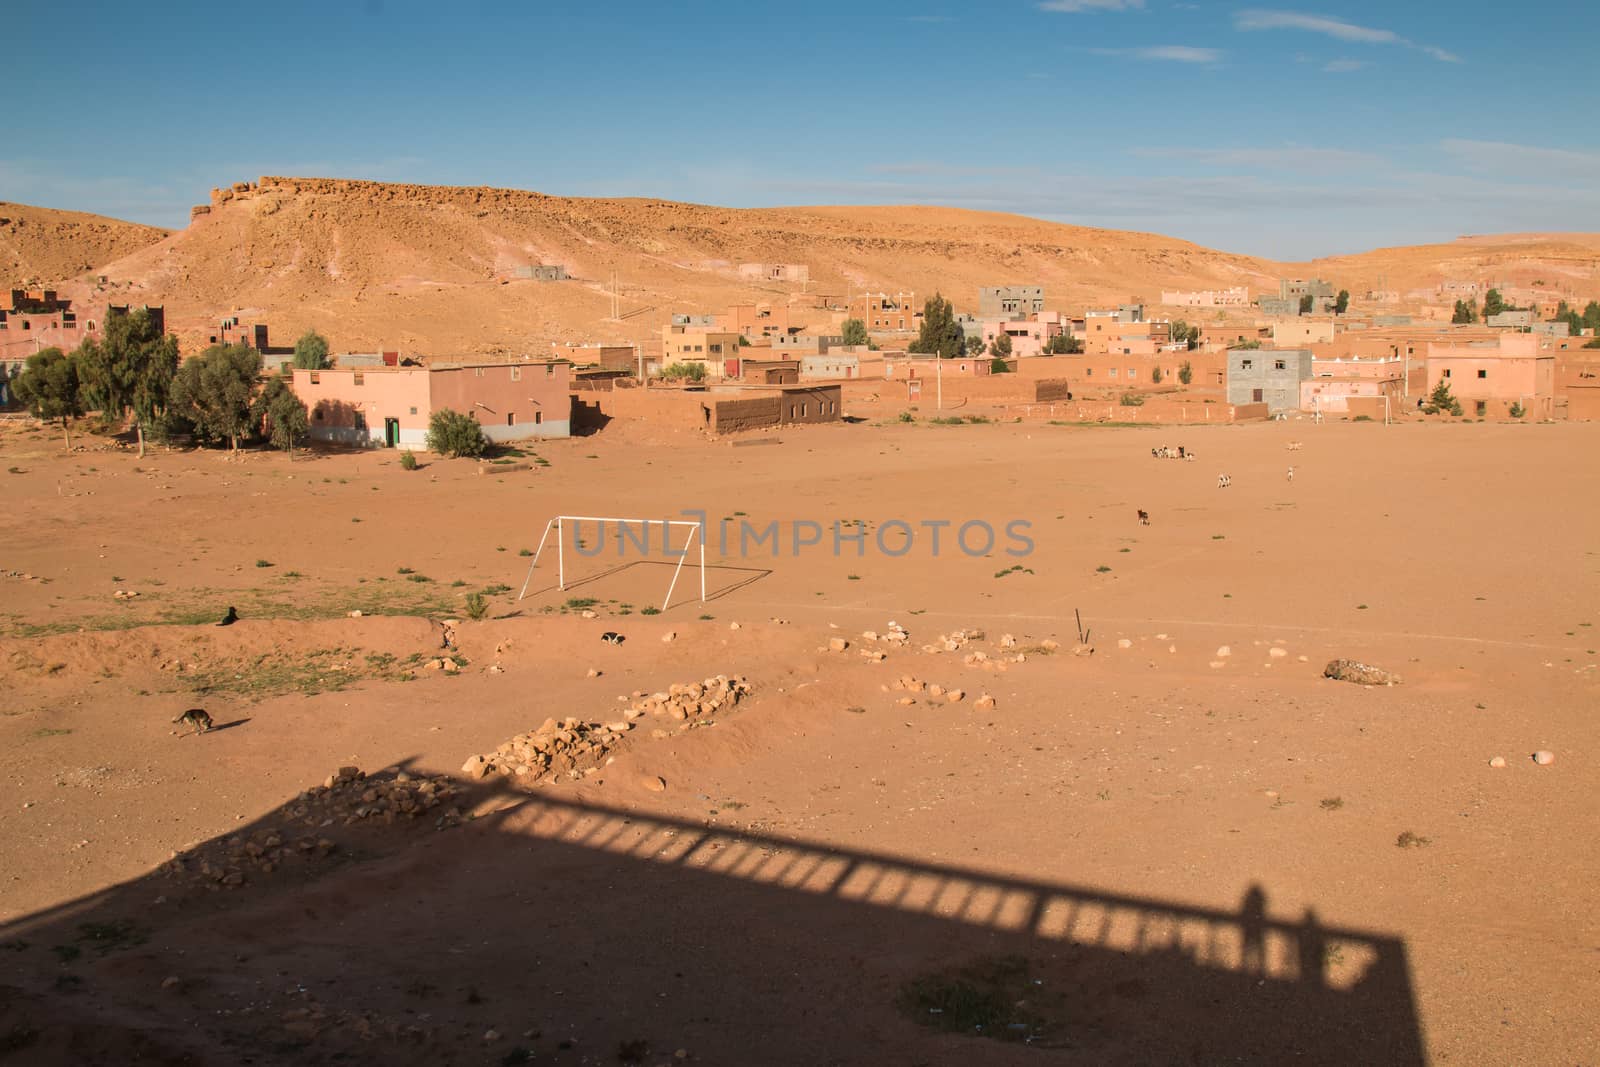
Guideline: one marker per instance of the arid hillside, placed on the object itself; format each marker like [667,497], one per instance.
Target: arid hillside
[43,245]
[1564,264]
[434,269]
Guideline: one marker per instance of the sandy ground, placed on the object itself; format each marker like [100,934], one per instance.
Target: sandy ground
[1192,854]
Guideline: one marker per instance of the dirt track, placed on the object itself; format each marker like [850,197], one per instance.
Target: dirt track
[1107,821]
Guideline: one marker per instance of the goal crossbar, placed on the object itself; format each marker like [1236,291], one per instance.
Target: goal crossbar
[558,524]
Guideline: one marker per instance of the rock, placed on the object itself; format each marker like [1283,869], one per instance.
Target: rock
[1348,670]
[1224,652]
[1277,653]
[984,703]
[172,982]
[654,783]
[1083,648]
[856,709]
[1544,757]
[936,690]
[1123,642]
[351,773]
[1007,641]
[1218,664]
[670,635]
[475,767]
[733,626]
[869,635]
[837,644]
[356,614]
[589,614]
[906,701]
[491,1035]
[1049,645]
[593,673]
[955,696]
[1498,762]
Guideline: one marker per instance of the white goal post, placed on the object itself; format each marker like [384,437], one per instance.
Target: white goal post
[558,524]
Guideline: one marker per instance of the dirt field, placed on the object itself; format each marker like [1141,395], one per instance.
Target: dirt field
[1185,847]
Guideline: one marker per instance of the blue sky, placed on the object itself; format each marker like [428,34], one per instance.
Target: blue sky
[1284,131]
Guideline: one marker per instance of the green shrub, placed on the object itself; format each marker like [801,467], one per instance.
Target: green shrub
[477,605]
[693,372]
[453,434]
[1131,400]
[906,416]
[408,460]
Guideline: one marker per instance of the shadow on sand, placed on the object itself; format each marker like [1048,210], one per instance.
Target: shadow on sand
[587,933]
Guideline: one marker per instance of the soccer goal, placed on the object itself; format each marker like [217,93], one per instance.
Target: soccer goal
[559,526]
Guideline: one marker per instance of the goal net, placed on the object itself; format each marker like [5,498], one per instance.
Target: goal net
[636,533]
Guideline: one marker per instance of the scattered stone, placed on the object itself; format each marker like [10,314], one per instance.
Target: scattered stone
[906,701]
[1498,762]
[491,1035]
[654,783]
[1007,641]
[837,644]
[1049,645]
[733,626]
[172,982]
[956,696]
[475,767]
[1218,664]
[874,655]
[356,614]
[1544,757]
[1123,642]
[935,690]
[588,613]
[593,672]
[1083,648]
[1224,652]
[984,703]
[1349,670]
[1277,653]
[670,635]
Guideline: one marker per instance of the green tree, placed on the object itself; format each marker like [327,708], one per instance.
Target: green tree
[131,365]
[997,365]
[311,351]
[1000,347]
[1063,344]
[1155,375]
[282,412]
[1466,312]
[1591,315]
[1183,333]
[48,387]
[855,332]
[940,332]
[1441,400]
[975,346]
[1494,303]
[693,372]
[453,434]
[1307,302]
[1342,304]
[215,391]
[1186,372]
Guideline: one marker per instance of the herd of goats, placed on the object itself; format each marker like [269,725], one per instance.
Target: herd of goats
[1183,453]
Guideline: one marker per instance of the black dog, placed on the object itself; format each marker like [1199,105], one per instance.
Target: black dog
[611,637]
[1144,518]
[230,618]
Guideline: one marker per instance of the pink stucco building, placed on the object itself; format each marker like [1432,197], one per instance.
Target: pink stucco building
[1029,336]
[1488,377]
[390,406]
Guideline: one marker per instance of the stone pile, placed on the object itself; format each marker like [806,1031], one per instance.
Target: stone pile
[346,798]
[1349,670]
[574,749]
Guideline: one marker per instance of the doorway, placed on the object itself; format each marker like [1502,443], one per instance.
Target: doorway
[391,433]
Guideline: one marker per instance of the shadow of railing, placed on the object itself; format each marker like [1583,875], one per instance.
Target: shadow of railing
[771,933]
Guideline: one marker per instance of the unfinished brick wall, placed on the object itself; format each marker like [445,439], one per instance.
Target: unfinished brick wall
[746,413]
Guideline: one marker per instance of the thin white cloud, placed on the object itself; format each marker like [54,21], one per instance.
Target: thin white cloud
[1171,53]
[1256,19]
[1504,157]
[1284,158]
[1344,66]
[1076,7]
[1330,26]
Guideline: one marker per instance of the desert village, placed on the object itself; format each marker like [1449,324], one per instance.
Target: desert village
[1284,752]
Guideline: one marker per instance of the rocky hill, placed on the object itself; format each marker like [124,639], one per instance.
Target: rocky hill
[441,270]
[40,245]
